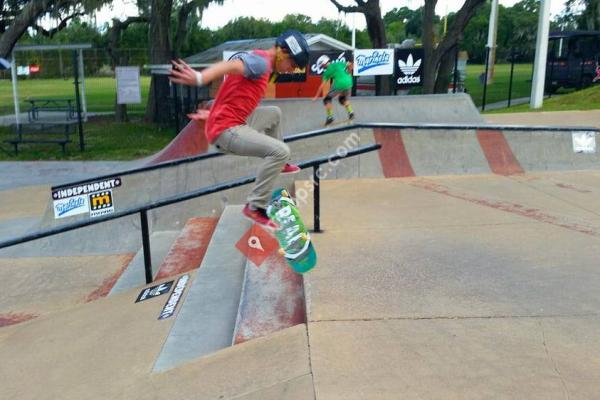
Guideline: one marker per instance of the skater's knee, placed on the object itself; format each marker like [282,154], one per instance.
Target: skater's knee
[282,152]
[342,99]
[327,100]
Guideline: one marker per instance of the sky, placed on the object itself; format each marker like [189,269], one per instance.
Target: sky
[274,10]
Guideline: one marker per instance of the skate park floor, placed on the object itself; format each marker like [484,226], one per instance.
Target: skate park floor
[445,287]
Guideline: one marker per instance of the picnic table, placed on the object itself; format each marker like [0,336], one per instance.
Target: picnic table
[58,132]
[65,105]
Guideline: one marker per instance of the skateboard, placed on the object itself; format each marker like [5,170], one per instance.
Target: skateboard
[293,238]
[338,122]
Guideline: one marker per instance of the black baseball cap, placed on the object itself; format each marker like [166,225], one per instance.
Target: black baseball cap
[295,43]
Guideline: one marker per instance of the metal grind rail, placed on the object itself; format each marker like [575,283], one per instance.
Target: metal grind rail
[337,129]
[143,210]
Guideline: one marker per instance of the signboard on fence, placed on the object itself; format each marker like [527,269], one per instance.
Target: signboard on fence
[128,85]
[409,67]
[317,59]
[373,62]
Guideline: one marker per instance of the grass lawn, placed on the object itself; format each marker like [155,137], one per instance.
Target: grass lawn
[100,93]
[498,91]
[587,99]
[104,140]
[107,140]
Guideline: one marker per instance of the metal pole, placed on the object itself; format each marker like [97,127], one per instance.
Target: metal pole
[512,72]
[485,80]
[146,246]
[176,99]
[13,74]
[581,73]
[78,100]
[317,198]
[455,71]
[82,77]
[491,44]
[541,53]
[552,61]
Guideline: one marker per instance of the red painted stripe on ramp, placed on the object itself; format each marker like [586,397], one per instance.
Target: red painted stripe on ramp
[104,289]
[272,300]
[393,156]
[14,318]
[500,157]
[190,141]
[189,248]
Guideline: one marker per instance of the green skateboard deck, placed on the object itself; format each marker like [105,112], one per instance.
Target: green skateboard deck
[294,240]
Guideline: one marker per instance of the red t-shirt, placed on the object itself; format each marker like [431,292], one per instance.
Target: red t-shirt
[239,95]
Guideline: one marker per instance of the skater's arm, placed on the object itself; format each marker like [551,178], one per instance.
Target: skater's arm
[319,90]
[182,73]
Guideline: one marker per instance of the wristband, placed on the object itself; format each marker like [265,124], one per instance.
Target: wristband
[199,81]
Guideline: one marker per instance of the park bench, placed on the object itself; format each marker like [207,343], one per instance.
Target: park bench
[52,105]
[42,132]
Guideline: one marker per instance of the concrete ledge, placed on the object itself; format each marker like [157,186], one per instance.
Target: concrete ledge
[206,320]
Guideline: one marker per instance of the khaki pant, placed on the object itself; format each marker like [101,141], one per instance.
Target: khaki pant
[248,140]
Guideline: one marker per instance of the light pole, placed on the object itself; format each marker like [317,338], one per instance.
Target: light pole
[541,54]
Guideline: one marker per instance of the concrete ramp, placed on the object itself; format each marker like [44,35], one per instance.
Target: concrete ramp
[302,115]
[503,150]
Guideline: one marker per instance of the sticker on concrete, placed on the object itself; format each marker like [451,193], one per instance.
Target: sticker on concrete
[70,206]
[87,188]
[171,304]
[584,142]
[154,291]
[101,203]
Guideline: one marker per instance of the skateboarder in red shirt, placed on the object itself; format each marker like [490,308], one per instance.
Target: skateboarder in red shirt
[244,86]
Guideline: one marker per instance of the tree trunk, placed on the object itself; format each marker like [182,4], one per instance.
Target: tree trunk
[182,26]
[30,13]
[429,63]
[444,71]
[435,56]
[118,58]
[159,37]
[376,30]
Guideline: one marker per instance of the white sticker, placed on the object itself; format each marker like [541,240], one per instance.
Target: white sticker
[584,142]
[70,206]
[293,45]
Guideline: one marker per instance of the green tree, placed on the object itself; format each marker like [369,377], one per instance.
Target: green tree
[376,30]
[440,52]
[167,36]
[20,15]
[412,20]
[299,22]
[244,28]
[586,13]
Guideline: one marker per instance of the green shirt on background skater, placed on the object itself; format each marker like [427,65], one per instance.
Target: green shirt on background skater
[342,80]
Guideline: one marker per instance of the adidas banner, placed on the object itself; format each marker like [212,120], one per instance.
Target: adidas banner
[408,70]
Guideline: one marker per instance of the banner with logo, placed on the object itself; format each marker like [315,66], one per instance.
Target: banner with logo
[317,59]
[409,67]
[95,198]
[373,62]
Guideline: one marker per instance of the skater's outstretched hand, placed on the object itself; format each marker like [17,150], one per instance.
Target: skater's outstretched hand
[182,73]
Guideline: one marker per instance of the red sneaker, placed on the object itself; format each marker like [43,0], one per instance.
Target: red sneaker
[290,169]
[260,217]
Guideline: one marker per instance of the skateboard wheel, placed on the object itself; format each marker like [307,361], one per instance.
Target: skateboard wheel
[281,252]
[284,193]
[304,236]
